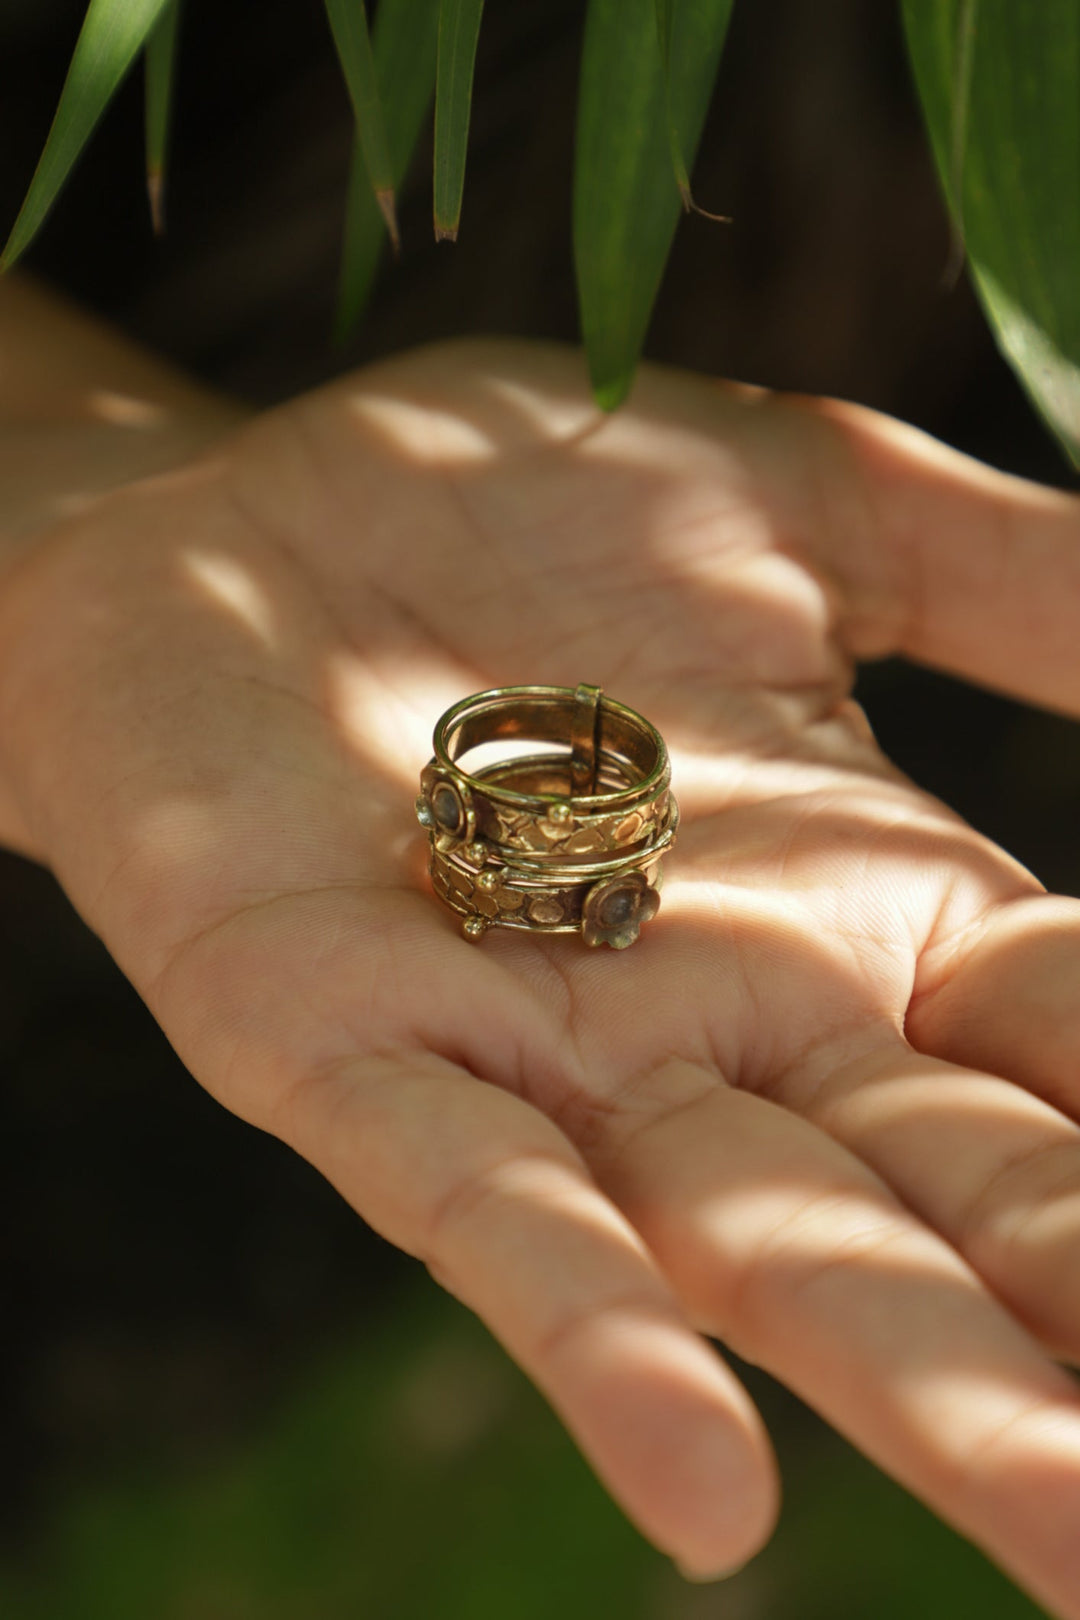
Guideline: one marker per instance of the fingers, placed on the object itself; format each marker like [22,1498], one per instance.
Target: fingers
[782,1243]
[947,560]
[995,1170]
[490,1194]
[1009,1000]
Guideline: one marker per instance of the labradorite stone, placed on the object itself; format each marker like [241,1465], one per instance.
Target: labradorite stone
[618,907]
[446,808]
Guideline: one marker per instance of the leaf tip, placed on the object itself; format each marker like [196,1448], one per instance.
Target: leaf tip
[690,204]
[155,191]
[706,213]
[446,232]
[610,395]
[384,196]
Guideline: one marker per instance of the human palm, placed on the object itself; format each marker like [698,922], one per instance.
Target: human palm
[776,1119]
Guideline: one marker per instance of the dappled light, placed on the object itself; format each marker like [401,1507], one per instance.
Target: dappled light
[425,433]
[561,1134]
[125,410]
[549,1264]
[235,589]
[383,705]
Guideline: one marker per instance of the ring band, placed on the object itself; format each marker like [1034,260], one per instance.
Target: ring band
[548,808]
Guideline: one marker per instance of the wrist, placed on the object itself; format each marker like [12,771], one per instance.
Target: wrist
[51,471]
[83,411]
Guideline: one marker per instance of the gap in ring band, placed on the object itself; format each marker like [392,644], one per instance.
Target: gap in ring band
[545,716]
[523,768]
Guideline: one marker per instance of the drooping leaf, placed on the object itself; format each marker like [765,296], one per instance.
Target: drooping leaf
[1010,168]
[626,199]
[160,78]
[961,99]
[665,19]
[348,23]
[405,41]
[665,23]
[459,30]
[112,34]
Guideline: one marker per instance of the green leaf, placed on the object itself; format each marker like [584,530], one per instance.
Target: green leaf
[160,78]
[665,23]
[665,19]
[459,30]
[112,34]
[1000,87]
[961,100]
[348,23]
[404,46]
[626,199]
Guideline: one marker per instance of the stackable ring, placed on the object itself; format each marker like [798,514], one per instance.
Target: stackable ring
[548,808]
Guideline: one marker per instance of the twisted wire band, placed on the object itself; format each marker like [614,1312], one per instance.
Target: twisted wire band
[563,840]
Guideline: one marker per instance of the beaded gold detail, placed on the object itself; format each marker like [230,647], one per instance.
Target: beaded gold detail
[566,837]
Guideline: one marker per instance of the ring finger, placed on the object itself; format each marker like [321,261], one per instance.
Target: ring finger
[992,1168]
[780,1242]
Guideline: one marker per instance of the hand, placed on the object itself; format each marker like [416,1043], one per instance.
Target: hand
[823,1110]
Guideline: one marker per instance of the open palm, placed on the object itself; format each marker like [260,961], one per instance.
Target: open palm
[821,1111]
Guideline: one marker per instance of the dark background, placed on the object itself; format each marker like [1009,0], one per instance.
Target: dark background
[168,1272]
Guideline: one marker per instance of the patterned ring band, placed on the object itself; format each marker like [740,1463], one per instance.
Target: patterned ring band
[548,808]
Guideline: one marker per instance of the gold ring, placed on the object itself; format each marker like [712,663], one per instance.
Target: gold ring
[548,808]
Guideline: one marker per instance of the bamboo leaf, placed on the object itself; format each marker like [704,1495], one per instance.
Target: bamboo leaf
[112,34]
[459,30]
[961,100]
[404,44]
[1014,114]
[665,22]
[665,19]
[626,201]
[160,78]
[348,23]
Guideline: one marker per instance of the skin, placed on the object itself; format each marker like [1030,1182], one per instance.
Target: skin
[824,1110]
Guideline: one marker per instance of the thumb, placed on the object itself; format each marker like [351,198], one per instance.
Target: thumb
[957,565]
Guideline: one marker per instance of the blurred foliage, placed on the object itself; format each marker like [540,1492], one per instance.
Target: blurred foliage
[418,1476]
[1000,87]
[112,35]
[349,25]
[646,77]
[160,53]
[405,46]
[459,34]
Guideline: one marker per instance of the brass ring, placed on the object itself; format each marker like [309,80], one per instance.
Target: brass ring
[564,829]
